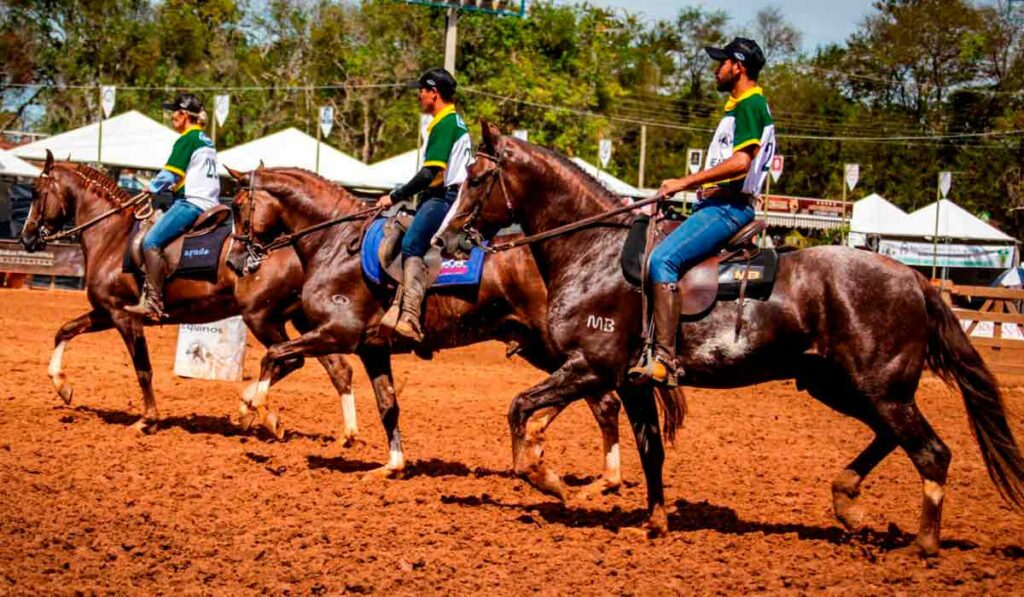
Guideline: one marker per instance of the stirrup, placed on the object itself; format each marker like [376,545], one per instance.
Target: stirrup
[409,327]
[650,369]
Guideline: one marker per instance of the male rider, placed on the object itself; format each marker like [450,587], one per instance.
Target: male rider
[448,152]
[737,165]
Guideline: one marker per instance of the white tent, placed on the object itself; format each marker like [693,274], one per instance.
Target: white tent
[397,170]
[295,149]
[130,140]
[874,214]
[954,222]
[12,165]
[619,187]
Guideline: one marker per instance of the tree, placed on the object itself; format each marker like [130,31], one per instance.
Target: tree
[779,39]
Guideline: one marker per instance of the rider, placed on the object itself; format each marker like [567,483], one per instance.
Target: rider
[737,165]
[191,173]
[448,153]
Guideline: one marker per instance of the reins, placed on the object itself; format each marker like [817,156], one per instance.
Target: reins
[288,239]
[139,213]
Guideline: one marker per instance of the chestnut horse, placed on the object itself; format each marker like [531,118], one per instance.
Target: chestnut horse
[345,309]
[68,192]
[853,328]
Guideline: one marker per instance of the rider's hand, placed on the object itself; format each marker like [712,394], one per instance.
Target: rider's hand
[384,202]
[671,186]
[646,209]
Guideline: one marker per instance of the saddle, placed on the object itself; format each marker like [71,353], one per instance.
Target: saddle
[194,254]
[739,270]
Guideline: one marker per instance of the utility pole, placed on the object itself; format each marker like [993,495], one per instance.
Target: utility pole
[451,38]
[643,155]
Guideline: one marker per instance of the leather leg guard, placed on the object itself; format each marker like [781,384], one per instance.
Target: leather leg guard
[414,282]
[151,303]
[660,367]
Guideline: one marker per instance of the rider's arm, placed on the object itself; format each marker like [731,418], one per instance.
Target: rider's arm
[164,180]
[737,165]
[418,183]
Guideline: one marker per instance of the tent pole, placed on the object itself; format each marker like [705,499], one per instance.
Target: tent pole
[935,237]
[99,141]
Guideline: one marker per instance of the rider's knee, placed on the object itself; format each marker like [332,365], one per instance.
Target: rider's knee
[150,242]
[661,270]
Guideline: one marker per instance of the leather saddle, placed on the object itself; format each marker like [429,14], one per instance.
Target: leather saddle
[698,288]
[390,250]
[207,222]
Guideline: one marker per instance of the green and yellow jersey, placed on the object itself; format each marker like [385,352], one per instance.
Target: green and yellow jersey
[194,159]
[747,121]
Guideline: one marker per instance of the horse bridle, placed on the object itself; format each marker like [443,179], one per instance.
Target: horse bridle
[256,251]
[143,198]
[469,229]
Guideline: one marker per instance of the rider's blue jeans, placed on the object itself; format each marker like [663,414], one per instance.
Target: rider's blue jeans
[712,222]
[172,224]
[429,217]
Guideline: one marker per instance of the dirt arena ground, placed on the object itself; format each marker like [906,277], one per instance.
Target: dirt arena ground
[88,505]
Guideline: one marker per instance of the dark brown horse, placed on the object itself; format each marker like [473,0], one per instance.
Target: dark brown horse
[345,309]
[75,193]
[853,328]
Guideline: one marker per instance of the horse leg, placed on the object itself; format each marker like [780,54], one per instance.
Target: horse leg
[269,331]
[533,410]
[931,459]
[846,486]
[132,332]
[606,411]
[93,321]
[340,373]
[643,418]
[377,361]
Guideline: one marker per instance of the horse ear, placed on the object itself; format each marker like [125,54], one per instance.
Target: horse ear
[261,166]
[235,173]
[491,134]
[49,161]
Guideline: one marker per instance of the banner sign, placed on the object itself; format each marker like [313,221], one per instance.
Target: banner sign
[55,260]
[951,255]
[604,152]
[804,206]
[522,134]
[852,175]
[514,8]
[213,350]
[694,160]
[775,167]
[221,106]
[945,182]
[326,120]
[108,93]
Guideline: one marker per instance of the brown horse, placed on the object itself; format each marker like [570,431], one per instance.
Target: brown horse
[345,309]
[68,192]
[853,328]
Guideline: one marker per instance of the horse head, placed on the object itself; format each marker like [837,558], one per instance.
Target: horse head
[50,207]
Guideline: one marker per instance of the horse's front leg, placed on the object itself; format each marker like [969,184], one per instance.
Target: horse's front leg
[643,417]
[533,410]
[93,321]
[132,332]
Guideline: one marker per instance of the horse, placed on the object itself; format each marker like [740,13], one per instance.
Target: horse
[345,309]
[853,328]
[67,192]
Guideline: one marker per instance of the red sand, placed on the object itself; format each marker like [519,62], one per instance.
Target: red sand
[87,504]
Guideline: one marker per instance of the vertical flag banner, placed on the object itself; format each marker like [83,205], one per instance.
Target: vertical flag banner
[326,119]
[694,160]
[775,167]
[852,175]
[605,152]
[945,182]
[108,95]
[221,106]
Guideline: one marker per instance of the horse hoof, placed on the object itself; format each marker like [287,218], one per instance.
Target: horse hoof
[657,525]
[383,472]
[352,441]
[144,427]
[852,518]
[598,488]
[273,424]
[918,550]
[66,393]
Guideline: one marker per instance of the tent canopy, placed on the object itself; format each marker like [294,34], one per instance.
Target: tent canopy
[397,170]
[874,214]
[130,140]
[12,165]
[619,187]
[954,222]
[292,148]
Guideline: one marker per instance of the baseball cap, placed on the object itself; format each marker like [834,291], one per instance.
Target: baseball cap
[437,79]
[743,50]
[185,101]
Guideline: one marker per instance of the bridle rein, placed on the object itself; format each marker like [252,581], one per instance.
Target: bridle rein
[143,199]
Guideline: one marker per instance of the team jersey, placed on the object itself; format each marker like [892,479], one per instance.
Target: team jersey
[747,121]
[195,160]
[449,147]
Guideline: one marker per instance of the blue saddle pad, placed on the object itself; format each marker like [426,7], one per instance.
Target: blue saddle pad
[454,272]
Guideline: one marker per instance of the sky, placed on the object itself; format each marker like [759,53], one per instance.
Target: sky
[821,21]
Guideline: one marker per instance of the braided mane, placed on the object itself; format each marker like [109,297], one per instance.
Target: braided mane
[100,183]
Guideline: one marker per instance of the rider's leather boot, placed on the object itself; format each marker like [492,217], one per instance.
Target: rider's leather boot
[151,302]
[414,282]
[662,368]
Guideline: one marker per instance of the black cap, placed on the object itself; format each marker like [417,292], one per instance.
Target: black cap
[743,50]
[185,101]
[437,79]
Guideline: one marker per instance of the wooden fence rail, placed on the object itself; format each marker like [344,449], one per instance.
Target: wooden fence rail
[1003,348]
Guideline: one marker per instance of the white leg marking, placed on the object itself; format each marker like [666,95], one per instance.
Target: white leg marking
[613,459]
[934,492]
[348,413]
[56,361]
[396,460]
[260,394]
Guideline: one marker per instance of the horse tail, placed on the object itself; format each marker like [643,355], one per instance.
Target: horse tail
[952,357]
[673,407]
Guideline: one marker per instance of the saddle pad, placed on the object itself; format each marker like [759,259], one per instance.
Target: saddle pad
[200,255]
[454,272]
[760,279]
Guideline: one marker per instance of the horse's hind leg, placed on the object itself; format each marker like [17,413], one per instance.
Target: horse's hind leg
[131,330]
[377,361]
[846,486]
[931,458]
[93,321]
[643,417]
[606,411]
[340,373]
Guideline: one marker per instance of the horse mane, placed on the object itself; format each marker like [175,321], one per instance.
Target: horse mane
[101,184]
[581,176]
[326,187]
